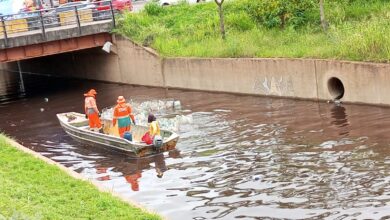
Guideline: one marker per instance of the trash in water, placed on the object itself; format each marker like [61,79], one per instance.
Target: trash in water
[256,178]
[177,105]
[168,113]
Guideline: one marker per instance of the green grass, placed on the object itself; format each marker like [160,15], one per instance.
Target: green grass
[32,189]
[358,31]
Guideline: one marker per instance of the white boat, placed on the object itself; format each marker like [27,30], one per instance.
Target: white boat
[76,125]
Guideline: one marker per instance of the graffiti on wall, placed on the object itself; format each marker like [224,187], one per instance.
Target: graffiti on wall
[279,86]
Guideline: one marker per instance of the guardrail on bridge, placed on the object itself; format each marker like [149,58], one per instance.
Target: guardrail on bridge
[73,14]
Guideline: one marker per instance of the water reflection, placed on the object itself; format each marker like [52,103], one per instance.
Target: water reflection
[131,168]
[241,157]
[340,119]
[10,86]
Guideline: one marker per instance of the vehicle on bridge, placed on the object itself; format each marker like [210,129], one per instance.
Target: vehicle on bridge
[118,5]
[174,2]
[87,12]
[104,9]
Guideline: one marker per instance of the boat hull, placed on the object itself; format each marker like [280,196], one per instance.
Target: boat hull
[138,149]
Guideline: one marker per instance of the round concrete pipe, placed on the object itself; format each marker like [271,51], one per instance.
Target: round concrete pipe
[336,88]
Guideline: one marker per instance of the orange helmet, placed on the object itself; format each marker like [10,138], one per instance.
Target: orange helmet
[91,92]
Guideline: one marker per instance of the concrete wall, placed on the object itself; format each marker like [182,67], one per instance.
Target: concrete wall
[363,82]
[5,66]
[276,77]
[138,65]
[295,78]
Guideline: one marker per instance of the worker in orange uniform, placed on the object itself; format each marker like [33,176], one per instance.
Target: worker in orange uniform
[122,115]
[91,110]
[102,170]
[133,180]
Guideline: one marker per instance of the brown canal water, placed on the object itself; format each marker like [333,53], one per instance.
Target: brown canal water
[242,157]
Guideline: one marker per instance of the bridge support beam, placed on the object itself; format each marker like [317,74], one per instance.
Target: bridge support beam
[53,47]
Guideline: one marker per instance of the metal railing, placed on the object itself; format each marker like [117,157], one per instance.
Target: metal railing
[72,14]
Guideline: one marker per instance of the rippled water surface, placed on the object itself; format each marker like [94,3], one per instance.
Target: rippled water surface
[242,157]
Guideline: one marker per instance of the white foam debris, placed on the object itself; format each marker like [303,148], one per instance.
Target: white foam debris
[177,104]
[166,111]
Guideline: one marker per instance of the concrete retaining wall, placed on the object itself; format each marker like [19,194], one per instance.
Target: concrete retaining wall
[276,77]
[5,66]
[138,66]
[295,78]
[363,82]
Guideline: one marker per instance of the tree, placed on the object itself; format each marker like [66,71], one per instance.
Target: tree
[324,24]
[221,19]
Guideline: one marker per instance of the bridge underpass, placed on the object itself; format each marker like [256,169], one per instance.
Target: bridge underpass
[92,63]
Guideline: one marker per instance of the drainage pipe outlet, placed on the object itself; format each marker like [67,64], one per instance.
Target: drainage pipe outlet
[336,88]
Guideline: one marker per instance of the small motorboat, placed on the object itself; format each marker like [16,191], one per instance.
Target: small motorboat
[77,126]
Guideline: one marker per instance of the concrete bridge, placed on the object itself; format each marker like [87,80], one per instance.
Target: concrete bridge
[53,31]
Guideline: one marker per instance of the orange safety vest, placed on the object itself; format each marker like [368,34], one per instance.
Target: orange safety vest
[123,111]
[90,103]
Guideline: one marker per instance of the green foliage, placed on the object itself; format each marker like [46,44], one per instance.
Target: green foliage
[132,25]
[32,189]
[153,9]
[280,13]
[366,41]
[240,21]
[358,30]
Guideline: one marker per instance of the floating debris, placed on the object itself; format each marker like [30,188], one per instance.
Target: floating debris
[168,112]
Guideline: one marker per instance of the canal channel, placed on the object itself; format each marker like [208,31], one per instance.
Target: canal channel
[238,157]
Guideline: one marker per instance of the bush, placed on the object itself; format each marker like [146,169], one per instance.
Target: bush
[150,33]
[280,13]
[153,9]
[240,21]
[366,41]
[358,29]
[132,25]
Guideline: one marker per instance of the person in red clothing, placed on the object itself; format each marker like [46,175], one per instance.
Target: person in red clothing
[123,115]
[133,180]
[102,170]
[91,110]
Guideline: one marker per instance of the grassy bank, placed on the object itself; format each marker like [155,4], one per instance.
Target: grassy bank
[358,30]
[32,189]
